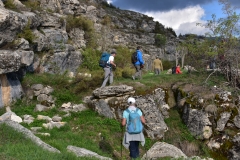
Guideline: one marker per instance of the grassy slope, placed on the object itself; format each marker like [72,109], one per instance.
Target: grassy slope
[87,129]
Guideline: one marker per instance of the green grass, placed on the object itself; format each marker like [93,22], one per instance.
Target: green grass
[14,146]
[87,129]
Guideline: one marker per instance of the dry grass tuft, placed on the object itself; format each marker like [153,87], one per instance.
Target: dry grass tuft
[211,108]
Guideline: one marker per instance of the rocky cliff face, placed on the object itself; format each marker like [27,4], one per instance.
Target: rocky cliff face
[48,46]
[211,115]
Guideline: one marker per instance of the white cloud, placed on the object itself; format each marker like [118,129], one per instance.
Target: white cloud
[109,1]
[182,21]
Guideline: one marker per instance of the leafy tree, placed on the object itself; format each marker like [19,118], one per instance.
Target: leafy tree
[225,32]
[196,51]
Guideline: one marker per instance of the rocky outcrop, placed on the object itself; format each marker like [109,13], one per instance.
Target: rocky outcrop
[49,29]
[208,113]
[12,64]
[111,101]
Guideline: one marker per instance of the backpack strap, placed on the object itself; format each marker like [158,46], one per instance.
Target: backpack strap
[127,110]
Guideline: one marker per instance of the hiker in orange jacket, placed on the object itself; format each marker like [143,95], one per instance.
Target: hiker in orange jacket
[178,71]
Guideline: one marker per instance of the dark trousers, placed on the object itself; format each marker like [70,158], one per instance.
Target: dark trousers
[134,149]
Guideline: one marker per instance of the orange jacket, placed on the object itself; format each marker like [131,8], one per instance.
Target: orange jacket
[178,71]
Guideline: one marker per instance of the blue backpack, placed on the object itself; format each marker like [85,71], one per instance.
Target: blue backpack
[103,60]
[134,124]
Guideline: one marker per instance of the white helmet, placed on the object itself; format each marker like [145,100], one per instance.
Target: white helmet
[131,100]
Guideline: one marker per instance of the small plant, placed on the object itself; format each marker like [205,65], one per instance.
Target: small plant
[32,4]
[79,22]
[27,33]
[160,40]
[106,20]
[127,72]
[10,5]
[167,64]
[84,24]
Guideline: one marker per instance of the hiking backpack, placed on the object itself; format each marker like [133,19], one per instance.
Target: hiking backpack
[103,60]
[174,70]
[134,58]
[134,124]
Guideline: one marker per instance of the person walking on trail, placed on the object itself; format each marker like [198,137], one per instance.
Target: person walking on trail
[139,64]
[108,73]
[131,141]
[157,66]
[178,71]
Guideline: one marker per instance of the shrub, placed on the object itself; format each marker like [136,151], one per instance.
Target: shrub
[84,24]
[123,57]
[33,5]
[118,72]
[160,40]
[127,72]
[81,83]
[10,5]
[106,20]
[79,22]
[27,33]
[167,64]
[90,59]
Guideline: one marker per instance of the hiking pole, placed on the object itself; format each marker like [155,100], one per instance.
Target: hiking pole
[121,140]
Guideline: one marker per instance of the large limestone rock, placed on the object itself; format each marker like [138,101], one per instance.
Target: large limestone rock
[10,116]
[82,152]
[113,91]
[1,4]
[155,126]
[208,112]
[12,23]
[9,61]
[111,101]
[162,149]
[234,152]
[59,62]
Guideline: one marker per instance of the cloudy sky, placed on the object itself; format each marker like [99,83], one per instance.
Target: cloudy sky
[181,15]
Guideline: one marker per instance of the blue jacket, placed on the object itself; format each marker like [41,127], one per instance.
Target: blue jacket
[139,57]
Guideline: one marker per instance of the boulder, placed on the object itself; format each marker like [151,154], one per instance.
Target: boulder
[161,150]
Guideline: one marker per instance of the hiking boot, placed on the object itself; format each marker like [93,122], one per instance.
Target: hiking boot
[133,77]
